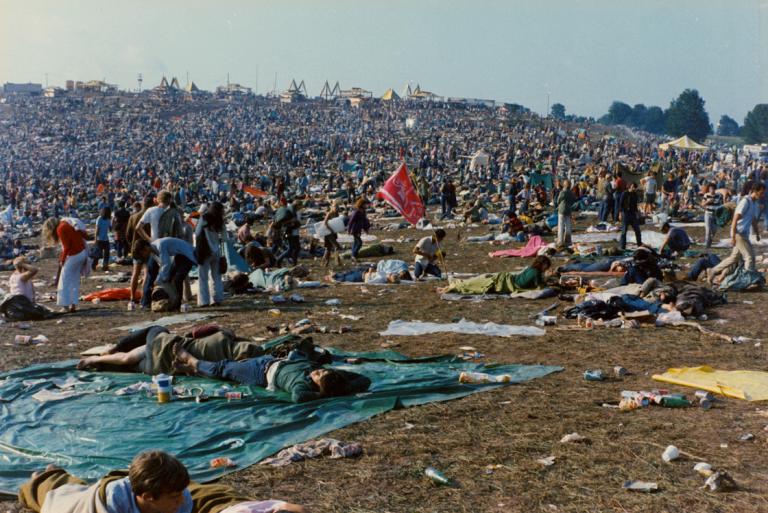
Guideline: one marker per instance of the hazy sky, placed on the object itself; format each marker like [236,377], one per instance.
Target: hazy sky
[585,53]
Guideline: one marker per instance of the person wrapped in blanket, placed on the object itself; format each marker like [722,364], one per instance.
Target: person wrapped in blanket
[386,271]
[155,482]
[532,277]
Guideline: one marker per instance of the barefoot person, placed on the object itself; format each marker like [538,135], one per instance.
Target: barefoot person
[300,377]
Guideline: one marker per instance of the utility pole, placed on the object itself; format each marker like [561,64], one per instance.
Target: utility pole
[140,79]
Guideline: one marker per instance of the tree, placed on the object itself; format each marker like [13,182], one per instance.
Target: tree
[755,129]
[654,122]
[686,116]
[619,112]
[558,111]
[727,126]
[637,118]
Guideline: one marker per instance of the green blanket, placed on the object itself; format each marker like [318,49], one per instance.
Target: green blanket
[96,430]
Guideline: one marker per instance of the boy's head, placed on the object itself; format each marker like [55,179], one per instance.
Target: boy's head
[141,250]
[158,481]
[329,382]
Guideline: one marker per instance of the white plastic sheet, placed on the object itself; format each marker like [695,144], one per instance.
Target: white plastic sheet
[491,329]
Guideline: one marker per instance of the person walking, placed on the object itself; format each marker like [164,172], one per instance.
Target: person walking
[358,223]
[745,219]
[331,240]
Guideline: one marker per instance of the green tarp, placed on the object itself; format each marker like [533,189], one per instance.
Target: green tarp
[97,431]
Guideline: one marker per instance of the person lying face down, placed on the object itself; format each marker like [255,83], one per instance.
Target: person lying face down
[303,379]
[156,482]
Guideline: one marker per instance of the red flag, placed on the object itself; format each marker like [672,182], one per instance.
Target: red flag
[253,191]
[399,192]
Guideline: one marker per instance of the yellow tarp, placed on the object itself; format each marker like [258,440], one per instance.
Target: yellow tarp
[684,143]
[741,384]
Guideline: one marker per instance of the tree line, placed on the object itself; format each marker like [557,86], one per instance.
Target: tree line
[685,115]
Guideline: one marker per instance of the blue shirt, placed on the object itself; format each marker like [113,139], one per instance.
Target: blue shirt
[121,499]
[167,248]
[102,228]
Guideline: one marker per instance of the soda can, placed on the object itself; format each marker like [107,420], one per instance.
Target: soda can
[131,306]
[184,308]
[620,371]
[703,394]
[705,403]
[230,396]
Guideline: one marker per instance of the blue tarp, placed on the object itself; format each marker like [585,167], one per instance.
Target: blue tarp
[97,431]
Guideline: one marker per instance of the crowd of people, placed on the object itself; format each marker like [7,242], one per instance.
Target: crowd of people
[166,189]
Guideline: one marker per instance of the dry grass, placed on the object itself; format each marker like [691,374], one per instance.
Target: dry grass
[511,427]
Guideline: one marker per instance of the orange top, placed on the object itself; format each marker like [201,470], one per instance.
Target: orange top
[72,241]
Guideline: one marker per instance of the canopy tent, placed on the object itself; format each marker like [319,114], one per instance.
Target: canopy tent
[684,143]
[390,95]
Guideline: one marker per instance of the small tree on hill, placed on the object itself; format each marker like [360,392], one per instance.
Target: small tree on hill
[686,116]
[727,126]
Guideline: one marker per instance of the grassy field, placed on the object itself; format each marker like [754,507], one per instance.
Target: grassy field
[489,442]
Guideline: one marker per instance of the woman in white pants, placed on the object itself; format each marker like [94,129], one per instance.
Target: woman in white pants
[210,236]
[70,233]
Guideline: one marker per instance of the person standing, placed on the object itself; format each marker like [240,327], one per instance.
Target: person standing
[564,204]
[358,223]
[70,233]
[629,215]
[120,228]
[103,227]
[331,240]
[745,219]
[711,202]
[448,199]
[649,186]
[210,236]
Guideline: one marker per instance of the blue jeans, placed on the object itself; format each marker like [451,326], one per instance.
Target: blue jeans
[628,220]
[421,269]
[702,264]
[181,267]
[357,243]
[248,372]
[605,207]
[292,253]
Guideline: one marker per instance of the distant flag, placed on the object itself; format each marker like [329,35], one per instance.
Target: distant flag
[253,191]
[399,192]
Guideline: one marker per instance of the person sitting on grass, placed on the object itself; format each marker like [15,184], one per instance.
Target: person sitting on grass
[532,277]
[303,379]
[20,281]
[156,482]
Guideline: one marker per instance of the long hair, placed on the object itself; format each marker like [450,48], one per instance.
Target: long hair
[214,216]
[49,230]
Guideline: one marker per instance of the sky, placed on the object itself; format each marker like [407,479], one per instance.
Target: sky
[581,53]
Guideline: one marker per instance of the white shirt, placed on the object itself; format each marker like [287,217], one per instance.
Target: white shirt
[428,247]
[152,218]
[21,287]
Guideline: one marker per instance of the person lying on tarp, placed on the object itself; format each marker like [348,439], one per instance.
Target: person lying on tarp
[156,482]
[304,379]
[150,351]
[532,277]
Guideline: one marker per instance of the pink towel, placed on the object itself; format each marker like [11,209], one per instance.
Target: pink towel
[531,249]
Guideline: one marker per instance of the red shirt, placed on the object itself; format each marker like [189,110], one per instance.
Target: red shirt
[72,241]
